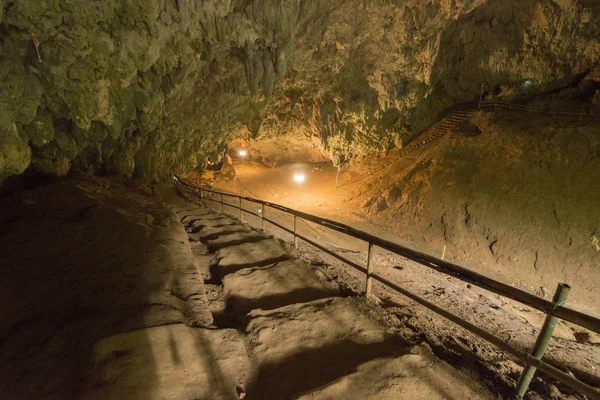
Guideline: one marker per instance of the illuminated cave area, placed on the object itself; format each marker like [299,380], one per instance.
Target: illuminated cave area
[273,199]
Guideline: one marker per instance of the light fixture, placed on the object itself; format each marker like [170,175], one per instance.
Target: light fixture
[299,177]
[526,83]
[243,153]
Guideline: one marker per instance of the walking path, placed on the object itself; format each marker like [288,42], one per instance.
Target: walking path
[305,340]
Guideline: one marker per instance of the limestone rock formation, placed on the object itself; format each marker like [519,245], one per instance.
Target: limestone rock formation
[146,88]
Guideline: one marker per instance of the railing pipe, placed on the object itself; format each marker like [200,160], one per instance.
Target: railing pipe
[445,267]
[295,235]
[546,368]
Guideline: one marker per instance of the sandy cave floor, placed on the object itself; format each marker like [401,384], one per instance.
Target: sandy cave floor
[517,324]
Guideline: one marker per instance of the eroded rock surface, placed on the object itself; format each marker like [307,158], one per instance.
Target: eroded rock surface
[170,362]
[82,260]
[145,88]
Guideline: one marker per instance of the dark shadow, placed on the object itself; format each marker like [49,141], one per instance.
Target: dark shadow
[71,258]
[215,277]
[252,237]
[198,214]
[224,230]
[208,217]
[187,210]
[225,388]
[225,320]
[244,305]
[174,350]
[313,368]
[229,269]
[198,225]
[294,279]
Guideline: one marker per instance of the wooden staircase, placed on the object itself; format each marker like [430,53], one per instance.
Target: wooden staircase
[438,130]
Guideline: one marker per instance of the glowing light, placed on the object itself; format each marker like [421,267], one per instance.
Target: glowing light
[243,153]
[526,83]
[299,178]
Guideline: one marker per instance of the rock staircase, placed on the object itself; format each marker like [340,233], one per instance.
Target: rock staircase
[305,340]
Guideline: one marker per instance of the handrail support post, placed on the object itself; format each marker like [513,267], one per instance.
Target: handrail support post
[295,237]
[262,217]
[369,282]
[559,299]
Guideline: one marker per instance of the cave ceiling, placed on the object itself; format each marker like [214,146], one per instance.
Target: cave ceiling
[147,88]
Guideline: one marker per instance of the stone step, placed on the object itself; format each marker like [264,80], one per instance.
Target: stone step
[412,376]
[208,217]
[307,341]
[302,347]
[170,362]
[203,258]
[195,214]
[256,254]
[234,239]
[210,233]
[273,286]
[198,224]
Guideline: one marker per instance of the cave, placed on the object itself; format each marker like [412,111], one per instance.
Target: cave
[299,199]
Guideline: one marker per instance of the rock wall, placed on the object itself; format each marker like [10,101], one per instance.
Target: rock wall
[517,202]
[149,87]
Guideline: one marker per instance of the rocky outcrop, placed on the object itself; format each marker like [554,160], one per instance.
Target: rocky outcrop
[145,88]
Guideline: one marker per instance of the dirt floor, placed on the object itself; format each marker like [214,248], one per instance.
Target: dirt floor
[487,207]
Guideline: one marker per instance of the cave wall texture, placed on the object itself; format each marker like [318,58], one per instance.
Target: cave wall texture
[146,88]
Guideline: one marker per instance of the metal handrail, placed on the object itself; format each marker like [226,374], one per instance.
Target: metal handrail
[551,309]
[542,110]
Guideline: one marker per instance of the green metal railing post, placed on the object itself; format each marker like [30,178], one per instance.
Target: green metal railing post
[369,271]
[559,299]
[241,215]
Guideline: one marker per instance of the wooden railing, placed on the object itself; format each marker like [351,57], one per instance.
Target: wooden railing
[553,309]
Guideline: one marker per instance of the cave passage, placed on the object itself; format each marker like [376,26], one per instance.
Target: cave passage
[466,130]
